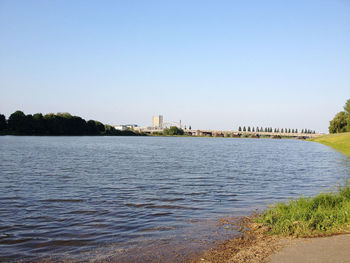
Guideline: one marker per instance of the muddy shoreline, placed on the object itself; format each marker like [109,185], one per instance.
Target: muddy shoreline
[252,245]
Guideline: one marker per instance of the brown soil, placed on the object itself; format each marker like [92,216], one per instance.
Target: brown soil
[254,245]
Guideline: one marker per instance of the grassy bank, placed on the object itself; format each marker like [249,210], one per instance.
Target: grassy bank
[338,141]
[324,214]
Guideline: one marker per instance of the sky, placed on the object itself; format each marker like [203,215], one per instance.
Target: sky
[211,64]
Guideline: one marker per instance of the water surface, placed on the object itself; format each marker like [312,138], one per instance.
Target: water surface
[103,197]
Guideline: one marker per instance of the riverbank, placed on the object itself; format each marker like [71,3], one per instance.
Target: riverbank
[286,231]
[338,141]
[281,230]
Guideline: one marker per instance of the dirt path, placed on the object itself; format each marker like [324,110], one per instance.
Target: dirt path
[324,249]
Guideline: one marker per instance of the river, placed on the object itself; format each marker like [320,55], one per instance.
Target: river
[136,199]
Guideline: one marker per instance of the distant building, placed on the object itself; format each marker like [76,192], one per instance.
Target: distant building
[120,127]
[131,126]
[124,127]
[157,122]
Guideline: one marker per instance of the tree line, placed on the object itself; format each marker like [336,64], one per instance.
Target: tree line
[276,130]
[341,121]
[55,124]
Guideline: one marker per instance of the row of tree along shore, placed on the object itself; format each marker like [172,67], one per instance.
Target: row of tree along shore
[56,124]
[66,124]
[275,130]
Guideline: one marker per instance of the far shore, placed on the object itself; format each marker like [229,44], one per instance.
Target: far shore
[137,134]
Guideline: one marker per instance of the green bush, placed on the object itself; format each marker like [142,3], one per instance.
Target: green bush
[173,130]
[341,121]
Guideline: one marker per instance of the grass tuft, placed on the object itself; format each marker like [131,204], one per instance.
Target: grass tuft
[324,214]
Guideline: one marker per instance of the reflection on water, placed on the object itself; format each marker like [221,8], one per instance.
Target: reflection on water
[73,197]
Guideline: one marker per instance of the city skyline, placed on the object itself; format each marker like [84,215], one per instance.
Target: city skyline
[212,65]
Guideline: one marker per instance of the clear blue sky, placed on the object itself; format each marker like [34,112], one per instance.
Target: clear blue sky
[212,64]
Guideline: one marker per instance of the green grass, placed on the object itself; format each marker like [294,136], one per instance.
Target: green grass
[324,214]
[338,141]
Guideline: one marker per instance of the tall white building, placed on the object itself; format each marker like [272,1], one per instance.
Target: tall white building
[157,122]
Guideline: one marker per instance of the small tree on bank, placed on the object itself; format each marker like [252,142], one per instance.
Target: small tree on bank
[173,130]
[341,121]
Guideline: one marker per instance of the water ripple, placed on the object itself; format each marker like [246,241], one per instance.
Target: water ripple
[72,196]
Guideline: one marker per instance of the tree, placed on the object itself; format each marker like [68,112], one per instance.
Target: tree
[110,130]
[339,123]
[100,127]
[282,131]
[190,128]
[253,130]
[57,124]
[248,128]
[96,128]
[3,123]
[239,128]
[244,128]
[347,107]
[17,122]
[173,130]
[39,125]
[257,129]
[91,127]
[52,125]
